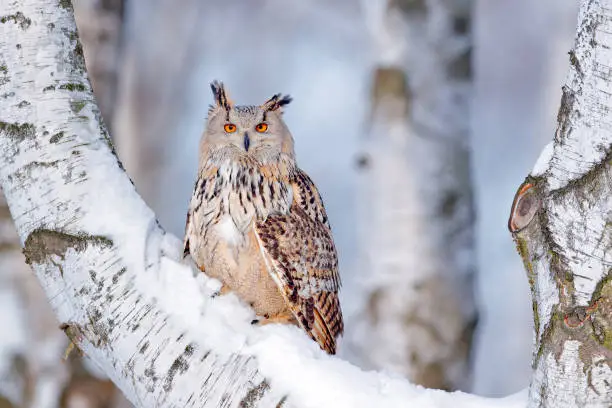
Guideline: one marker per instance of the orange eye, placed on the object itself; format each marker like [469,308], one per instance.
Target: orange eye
[229,127]
[262,127]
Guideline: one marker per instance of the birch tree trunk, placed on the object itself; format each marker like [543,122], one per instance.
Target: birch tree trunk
[561,221]
[417,214]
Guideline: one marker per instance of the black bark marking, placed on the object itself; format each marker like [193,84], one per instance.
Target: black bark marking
[281,403]
[575,63]
[73,87]
[180,365]
[563,116]
[116,276]
[17,18]
[66,4]
[18,131]
[254,395]
[56,137]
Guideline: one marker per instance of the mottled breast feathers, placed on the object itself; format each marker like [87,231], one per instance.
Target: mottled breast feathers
[280,204]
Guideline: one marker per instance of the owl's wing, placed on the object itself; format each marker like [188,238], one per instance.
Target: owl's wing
[299,250]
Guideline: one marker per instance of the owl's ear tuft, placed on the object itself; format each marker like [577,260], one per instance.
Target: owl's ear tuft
[221,98]
[276,102]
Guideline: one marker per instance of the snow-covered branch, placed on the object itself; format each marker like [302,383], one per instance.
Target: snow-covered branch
[562,224]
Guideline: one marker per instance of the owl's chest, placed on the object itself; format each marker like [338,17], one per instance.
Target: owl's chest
[238,195]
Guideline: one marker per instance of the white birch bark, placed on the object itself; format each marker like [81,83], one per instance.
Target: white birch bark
[417,213]
[561,221]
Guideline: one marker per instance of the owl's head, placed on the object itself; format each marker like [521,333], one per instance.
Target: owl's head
[255,131]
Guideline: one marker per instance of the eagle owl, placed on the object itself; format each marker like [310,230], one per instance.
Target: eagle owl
[256,221]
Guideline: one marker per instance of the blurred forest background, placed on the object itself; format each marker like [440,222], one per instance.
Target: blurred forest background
[395,101]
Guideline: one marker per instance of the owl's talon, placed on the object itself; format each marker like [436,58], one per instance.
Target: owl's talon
[283,318]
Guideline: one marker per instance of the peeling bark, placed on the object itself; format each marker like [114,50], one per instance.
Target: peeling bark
[417,214]
[561,222]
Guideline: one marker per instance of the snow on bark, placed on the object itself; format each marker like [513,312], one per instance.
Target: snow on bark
[561,221]
[417,212]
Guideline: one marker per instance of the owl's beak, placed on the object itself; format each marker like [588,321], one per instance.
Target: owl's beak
[247,141]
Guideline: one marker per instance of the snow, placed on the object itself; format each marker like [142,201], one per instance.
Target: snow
[543,162]
[286,356]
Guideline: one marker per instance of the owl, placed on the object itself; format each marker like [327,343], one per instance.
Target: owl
[256,221]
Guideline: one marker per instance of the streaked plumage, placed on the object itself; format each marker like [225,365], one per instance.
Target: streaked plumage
[257,223]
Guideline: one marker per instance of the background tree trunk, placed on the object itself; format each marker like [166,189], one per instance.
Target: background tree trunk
[152,97]
[562,224]
[417,210]
[101,29]
[27,356]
